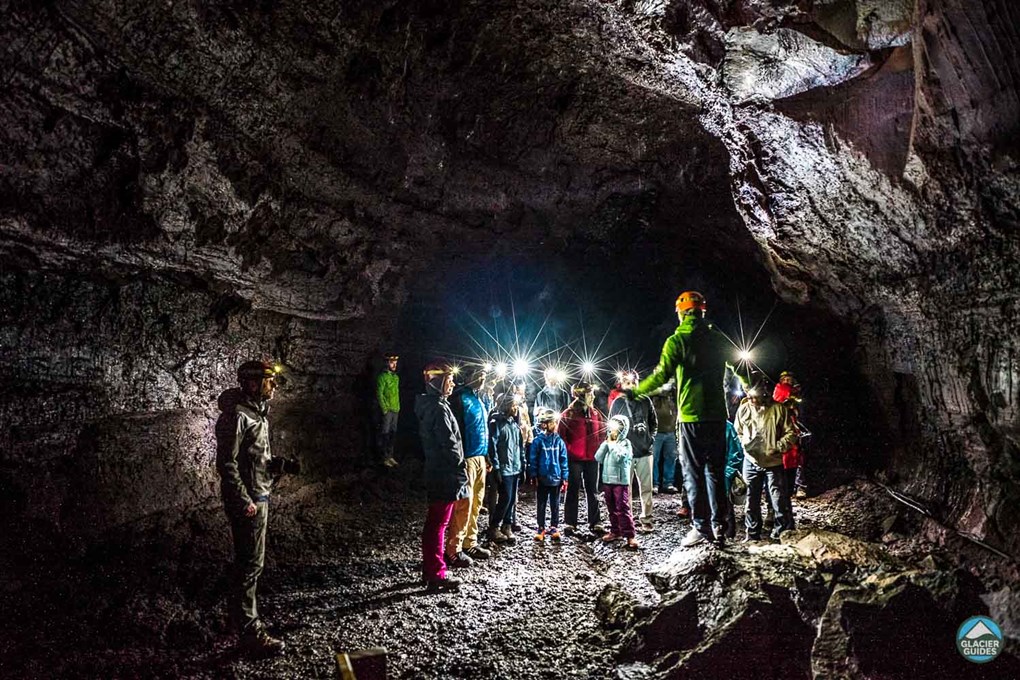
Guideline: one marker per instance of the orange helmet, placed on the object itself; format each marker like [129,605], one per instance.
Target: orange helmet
[690,300]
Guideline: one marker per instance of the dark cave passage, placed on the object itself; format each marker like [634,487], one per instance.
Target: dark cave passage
[185,187]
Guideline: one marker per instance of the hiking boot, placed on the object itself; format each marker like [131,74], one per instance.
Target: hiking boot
[645,528]
[597,529]
[632,544]
[611,537]
[693,537]
[569,530]
[684,511]
[672,489]
[508,533]
[517,528]
[554,534]
[656,491]
[440,585]
[258,643]
[801,493]
[776,533]
[477,552]
[496,536]
[459,561]
[540,536]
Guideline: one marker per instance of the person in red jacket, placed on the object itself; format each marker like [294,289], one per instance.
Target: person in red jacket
[787,392]
[581,427]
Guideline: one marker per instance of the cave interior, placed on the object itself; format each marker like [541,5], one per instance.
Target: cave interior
[187,186]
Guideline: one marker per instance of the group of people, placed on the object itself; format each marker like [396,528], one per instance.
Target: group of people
[480,443]
[470,447]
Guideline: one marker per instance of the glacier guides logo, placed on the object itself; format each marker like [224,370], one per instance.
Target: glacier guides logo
[979,639]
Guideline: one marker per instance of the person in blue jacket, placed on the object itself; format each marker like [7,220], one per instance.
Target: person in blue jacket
[462,546]
[548,470]
[506,456]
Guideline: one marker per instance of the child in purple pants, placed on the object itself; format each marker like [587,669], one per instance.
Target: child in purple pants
[615,457]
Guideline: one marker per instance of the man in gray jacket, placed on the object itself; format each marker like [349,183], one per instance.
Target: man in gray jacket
[247,469]
[765,431]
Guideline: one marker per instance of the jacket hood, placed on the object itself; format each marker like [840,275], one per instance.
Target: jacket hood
[498,417]
[624,422]
[229,400]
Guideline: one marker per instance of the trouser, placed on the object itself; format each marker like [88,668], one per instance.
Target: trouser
[758,477]
[506,489]
[791,488]
[641,471]
[621,521]
[463,533]
[582,473]
[387,433]
[433,537]
[491,487]
[703,459]
[548,495]
[249,534]
[665,454]
[517,500]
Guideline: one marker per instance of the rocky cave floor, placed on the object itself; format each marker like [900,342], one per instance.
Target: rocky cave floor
[579,609]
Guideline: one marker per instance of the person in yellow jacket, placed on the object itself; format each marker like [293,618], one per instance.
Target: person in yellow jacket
[387,394]
[766,431]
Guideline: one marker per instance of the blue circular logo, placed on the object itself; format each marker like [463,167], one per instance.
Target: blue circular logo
[979,639]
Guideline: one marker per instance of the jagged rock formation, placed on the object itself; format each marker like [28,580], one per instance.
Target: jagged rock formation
[185,185]
[820,605]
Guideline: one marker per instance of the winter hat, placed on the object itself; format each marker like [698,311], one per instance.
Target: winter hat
[546,416]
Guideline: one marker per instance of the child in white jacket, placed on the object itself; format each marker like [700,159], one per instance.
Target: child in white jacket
[615,457]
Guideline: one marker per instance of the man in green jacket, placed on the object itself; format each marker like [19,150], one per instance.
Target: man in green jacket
[697,355]
[387,394]
[247,469]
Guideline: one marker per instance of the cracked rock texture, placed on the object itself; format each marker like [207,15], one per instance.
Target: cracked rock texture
[183,185]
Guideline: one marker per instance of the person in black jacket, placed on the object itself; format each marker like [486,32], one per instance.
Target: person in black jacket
[446,479]
[643,427]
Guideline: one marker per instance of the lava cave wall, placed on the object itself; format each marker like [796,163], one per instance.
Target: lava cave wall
[186,185]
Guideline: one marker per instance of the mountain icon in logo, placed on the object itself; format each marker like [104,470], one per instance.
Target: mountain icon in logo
[979,639]
[980,630]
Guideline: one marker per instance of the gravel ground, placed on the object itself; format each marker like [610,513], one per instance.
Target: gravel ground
[529,612]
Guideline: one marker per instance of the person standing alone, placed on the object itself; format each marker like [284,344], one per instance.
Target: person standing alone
[387,394]
[247,469]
